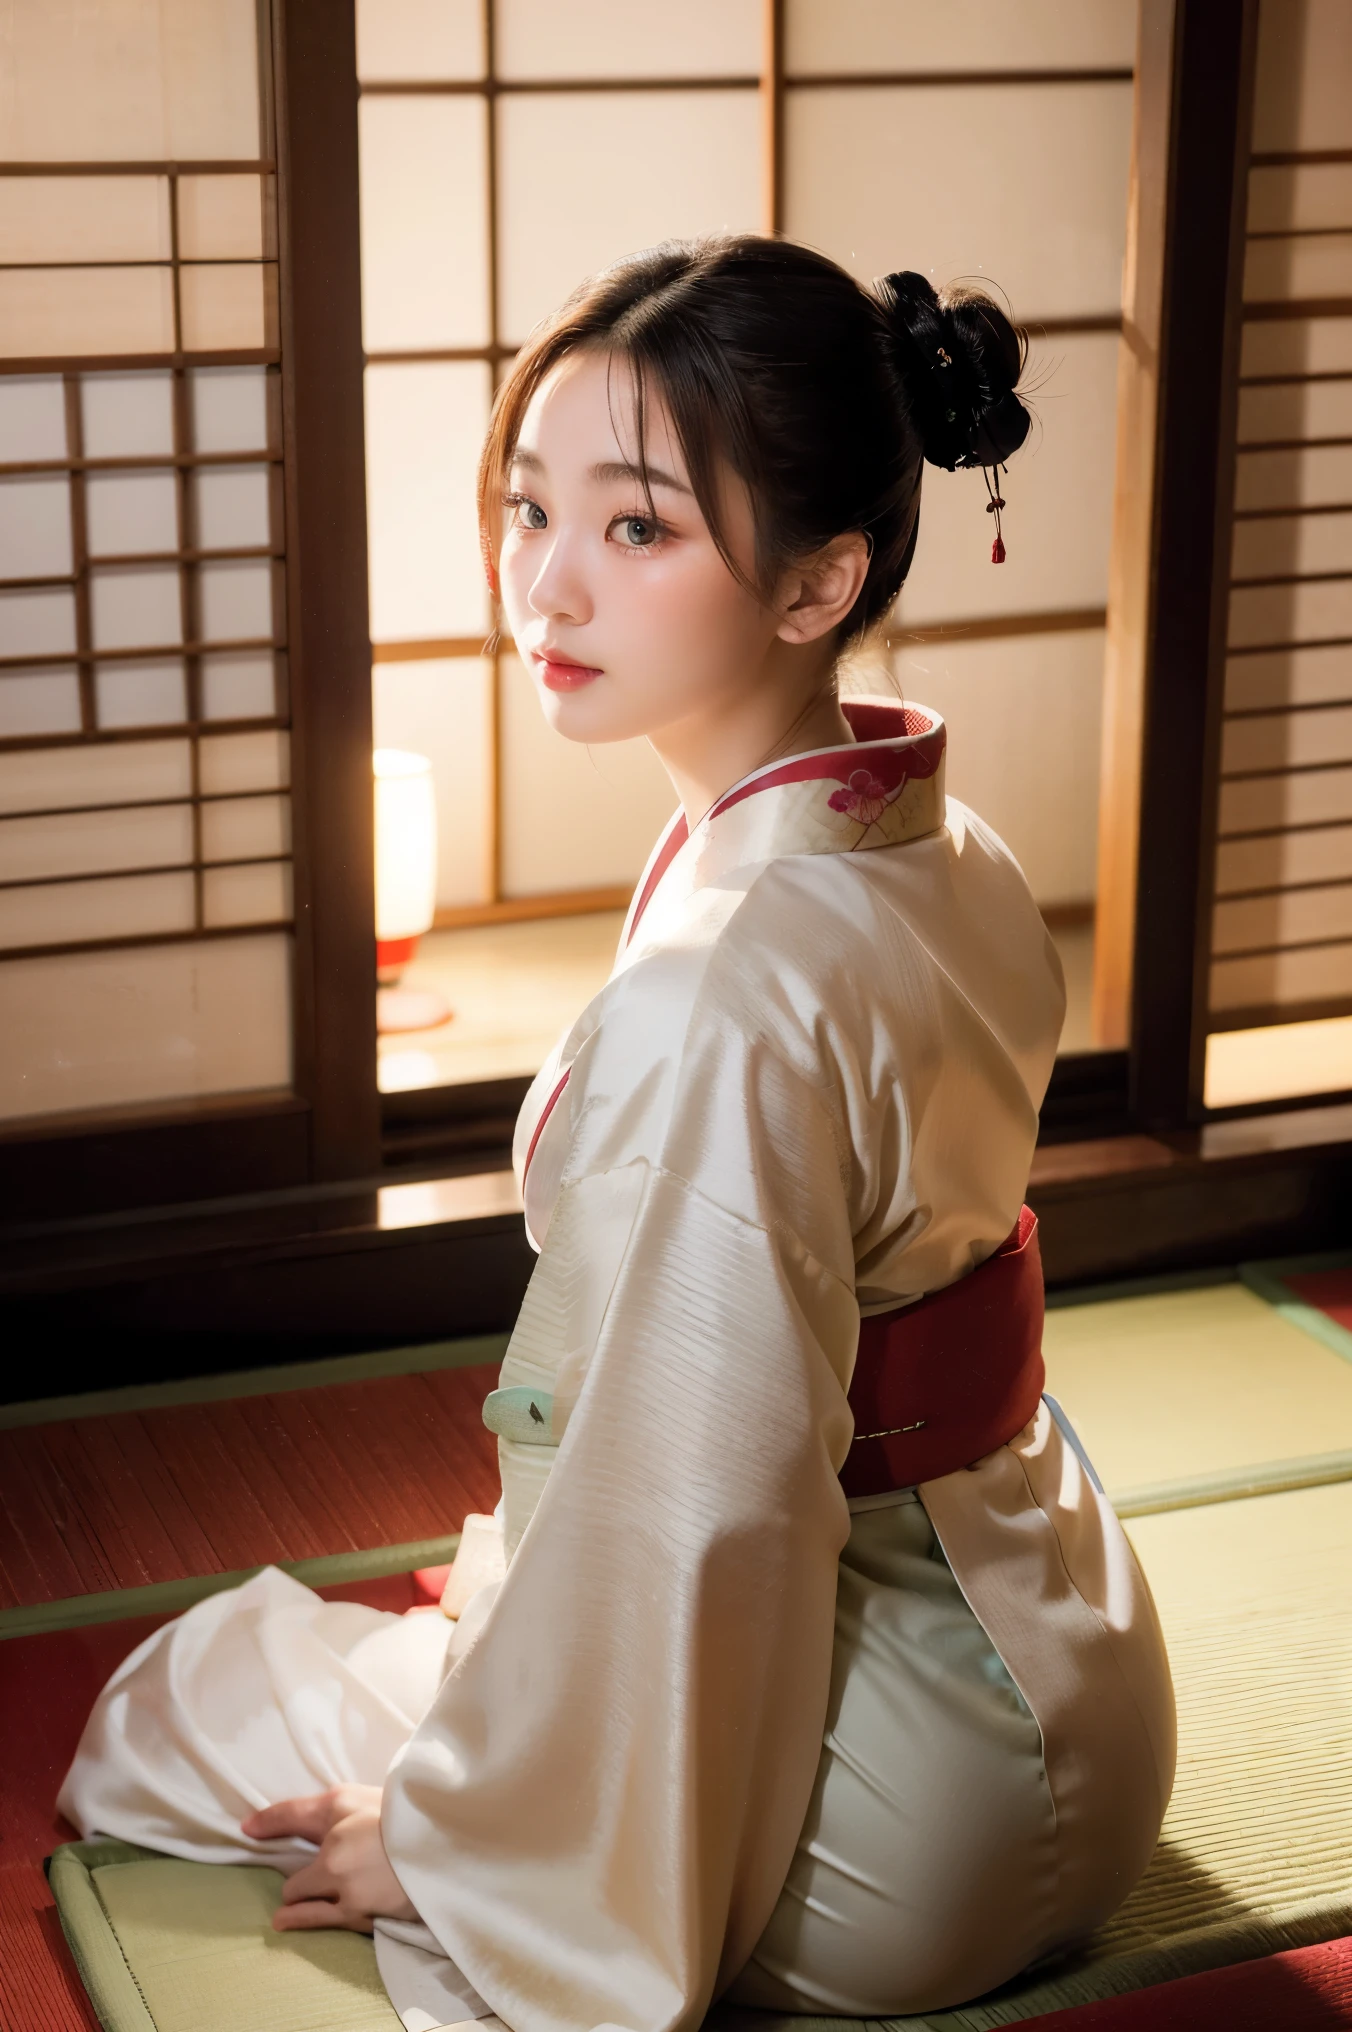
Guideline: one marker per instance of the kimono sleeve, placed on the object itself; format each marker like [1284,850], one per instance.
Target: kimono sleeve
[598,1814]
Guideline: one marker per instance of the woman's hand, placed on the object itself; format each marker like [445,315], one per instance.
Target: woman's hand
[350,1882]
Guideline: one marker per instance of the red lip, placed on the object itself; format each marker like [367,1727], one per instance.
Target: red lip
[560,673]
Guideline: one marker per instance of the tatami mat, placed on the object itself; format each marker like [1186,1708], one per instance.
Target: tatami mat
[1178,1396]
[1256,1602]
[1179,1385]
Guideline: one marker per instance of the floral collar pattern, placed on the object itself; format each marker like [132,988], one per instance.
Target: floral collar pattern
[885,787]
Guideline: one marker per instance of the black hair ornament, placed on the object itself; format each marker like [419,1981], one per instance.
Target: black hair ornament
[950,375]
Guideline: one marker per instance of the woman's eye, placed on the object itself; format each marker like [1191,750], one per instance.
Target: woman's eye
[636,532]
[527,514]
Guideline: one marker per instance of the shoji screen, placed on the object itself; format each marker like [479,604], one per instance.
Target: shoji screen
[510,147]
[1281,927]
[145,892]
[992,143]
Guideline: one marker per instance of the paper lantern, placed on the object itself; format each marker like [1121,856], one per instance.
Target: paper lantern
[406,883]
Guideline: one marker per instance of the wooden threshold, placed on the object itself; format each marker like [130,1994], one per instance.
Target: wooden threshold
[289,1276]
[522,909]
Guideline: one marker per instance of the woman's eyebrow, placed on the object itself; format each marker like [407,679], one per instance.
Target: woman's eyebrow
[530,460]
[654,476]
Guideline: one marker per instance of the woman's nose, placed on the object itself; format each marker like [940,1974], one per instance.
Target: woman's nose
[559,591]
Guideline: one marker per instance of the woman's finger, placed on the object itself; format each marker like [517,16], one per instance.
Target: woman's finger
[310,1818]
[316,1913]
[314,1881]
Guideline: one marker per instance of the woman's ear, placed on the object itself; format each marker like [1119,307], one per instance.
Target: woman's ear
[820,592]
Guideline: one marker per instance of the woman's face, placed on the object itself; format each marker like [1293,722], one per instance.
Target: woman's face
[628,620]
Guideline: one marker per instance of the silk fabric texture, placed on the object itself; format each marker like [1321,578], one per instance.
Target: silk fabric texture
[713,1735]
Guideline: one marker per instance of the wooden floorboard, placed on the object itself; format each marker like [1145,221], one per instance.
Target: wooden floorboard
[129,1499]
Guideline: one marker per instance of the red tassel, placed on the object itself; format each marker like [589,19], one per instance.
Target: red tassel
[993,507]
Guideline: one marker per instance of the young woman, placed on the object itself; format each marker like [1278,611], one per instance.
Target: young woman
[822,1676]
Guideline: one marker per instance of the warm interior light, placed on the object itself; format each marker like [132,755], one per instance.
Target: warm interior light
[1278,1062]
[406,845]
[406,883]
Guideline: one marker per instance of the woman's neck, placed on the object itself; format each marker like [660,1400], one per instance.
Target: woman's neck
[704,757]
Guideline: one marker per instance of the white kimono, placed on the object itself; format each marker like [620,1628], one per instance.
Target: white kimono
[714,1734]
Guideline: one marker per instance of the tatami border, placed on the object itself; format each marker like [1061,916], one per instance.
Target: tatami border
[1268,1281]
[171,1597]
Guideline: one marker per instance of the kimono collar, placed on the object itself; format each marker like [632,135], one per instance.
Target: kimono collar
[884,787]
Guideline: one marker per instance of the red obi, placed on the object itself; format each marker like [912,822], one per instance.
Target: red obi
[942,1382]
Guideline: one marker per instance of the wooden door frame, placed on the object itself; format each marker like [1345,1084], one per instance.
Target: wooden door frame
[1167,613]
[327,1126]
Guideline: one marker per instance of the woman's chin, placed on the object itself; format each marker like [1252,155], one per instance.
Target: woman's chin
[586,717]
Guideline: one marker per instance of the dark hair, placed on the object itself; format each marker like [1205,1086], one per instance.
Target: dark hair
[824,397]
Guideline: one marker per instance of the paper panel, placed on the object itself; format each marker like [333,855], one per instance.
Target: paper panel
[133,607]
[1292,543]
[961,35]
[1292,677]
[1297,917]
[239,686]
[1058,524]
[1300,409]
[572,817]
[235,600]
[1034,196]
[124,906]
[229,409]
[231,508]
[424,223]
[32,417]
[246,828]
[1283,979]
[1314,797]
[150,694]
[54,779]
[220,218]
[130,80]
[64,311]
[1304,196]
[127,415]
[1288,740]
[1314,611]
[130,512]
[233,762]
[84,218]
[1302,76]
[1295,266]
[37,623]
[598,200]
[1299,479]
[39,702]
[230,308]
[424,428]
[1297,346]
[443,710]
[1279,1062]
[106,1029]
[258,895]
[35,527]
[1283,859]
[86,843]
[1023,720]
[399,41]
[611,39]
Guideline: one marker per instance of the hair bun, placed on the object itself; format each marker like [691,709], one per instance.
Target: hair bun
[959,359]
